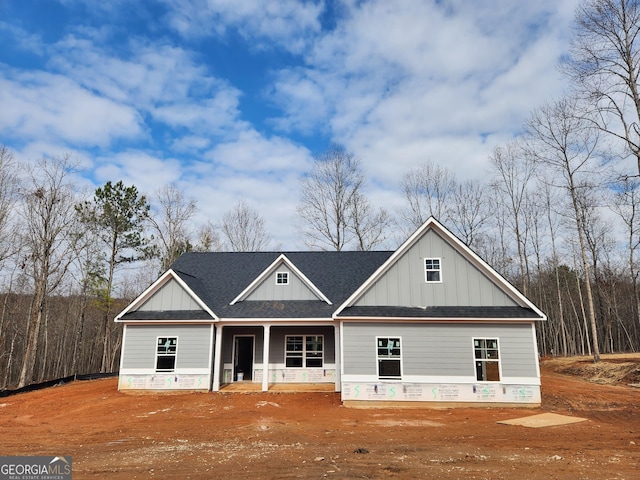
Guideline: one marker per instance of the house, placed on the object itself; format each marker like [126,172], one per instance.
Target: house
[428,322]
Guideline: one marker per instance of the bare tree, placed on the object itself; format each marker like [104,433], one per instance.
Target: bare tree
[427,190]
[567,145]
[604,64]
[244,229]
[327,195]
[207,239]
[47,210]
[333,211]
[552,221]
[9,183]
[469,211]
[370,227]
[514,171]
[626,204]
[170,224]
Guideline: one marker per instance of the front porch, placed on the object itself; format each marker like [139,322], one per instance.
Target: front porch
[279,357]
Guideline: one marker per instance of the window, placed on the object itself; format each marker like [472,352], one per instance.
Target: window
[432,270]
[389,357]
[304,351]
[487,359]
[166,354]
[282,278]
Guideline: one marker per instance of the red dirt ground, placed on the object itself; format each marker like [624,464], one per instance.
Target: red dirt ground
[284,435]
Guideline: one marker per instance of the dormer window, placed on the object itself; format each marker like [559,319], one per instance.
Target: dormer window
[282,278]
[432,270]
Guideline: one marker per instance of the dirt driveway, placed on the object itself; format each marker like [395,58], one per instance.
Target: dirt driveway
[113,435]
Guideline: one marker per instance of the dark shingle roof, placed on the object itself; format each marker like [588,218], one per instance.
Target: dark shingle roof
[219,277]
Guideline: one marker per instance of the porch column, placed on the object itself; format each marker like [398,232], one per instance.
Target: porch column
[338,358]
[265,358]
[217,360]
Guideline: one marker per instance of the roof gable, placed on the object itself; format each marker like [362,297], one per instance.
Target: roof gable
[169,293]
[264,286]
[467,280]
[170,296]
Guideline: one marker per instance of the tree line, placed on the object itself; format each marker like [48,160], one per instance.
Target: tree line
[556,214]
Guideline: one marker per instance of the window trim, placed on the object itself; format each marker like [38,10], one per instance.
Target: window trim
[487,360]
[284,276]
[439,270]
[303,355]
[158,354]
[378,358]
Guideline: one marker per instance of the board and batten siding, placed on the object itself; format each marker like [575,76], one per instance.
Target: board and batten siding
[439,349]
[462,283]
[296,289]
[171,296]
[194,345]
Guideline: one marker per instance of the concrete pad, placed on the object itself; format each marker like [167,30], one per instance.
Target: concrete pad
[543,420]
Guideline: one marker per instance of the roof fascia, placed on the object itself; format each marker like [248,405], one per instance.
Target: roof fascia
[155,286]
[270,269]
[432,223]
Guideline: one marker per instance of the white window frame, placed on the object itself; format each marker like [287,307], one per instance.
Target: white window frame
[282,276]
[379,358]
[476,359]
[159,354]
[426,270]
[304,351]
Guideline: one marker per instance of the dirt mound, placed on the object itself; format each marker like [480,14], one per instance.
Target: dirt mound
[610,370]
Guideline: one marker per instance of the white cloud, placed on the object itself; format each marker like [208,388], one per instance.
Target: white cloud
[21,39]
[286,23]
[159,80]
[190,143]
[145,171]
[401,82]
[44,106]
[254,154]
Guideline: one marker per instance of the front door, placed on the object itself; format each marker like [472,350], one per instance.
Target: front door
[242,357]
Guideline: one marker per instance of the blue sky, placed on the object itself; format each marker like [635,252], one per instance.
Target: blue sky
[230,99]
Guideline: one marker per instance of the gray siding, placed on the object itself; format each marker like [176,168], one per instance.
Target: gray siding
[295,290]
[462,283]
[439,349]
[171,296]
[194,345]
